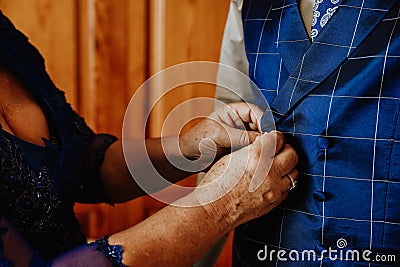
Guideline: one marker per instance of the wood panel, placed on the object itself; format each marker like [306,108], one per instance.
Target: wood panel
[103,63]
[112,59]
[183,31]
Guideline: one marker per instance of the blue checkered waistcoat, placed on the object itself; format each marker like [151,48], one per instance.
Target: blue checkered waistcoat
[338,102]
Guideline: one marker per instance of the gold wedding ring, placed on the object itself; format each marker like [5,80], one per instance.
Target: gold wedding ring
[292,181]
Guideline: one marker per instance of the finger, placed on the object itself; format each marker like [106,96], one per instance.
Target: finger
[287,183]
[270,143]
[256,115]
[254,127]
[279,139]
[285,161]
[234,117]
[250,113]
[241,138]
[224,115]
[244,113]
[262,155]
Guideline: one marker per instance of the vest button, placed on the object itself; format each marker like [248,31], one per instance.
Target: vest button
[321,196]
[323,142]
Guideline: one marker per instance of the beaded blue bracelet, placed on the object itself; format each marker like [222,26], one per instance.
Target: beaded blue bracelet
[113,253]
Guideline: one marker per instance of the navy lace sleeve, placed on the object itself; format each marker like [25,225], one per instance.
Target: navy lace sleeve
[91,190]
[19,253]
[99,253]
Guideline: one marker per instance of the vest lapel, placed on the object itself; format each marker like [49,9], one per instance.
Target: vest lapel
[332,46]
[293,40]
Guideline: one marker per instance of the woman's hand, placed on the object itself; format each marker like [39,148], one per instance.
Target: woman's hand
[250,182]
[239,187]
[230,127]
[224,129]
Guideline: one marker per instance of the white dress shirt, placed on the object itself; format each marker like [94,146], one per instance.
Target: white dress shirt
[233,52]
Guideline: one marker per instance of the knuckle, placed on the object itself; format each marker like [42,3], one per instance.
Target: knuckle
[270,196]
[244,139]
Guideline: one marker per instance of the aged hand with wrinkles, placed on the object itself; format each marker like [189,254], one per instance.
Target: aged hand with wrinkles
[239,187]
[230,127]
[251,181]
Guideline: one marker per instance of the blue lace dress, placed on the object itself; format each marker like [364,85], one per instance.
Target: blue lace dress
[40,184]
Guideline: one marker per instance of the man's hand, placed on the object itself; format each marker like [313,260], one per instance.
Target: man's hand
[227,129]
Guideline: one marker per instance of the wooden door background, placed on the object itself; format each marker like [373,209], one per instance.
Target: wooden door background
[100,51]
